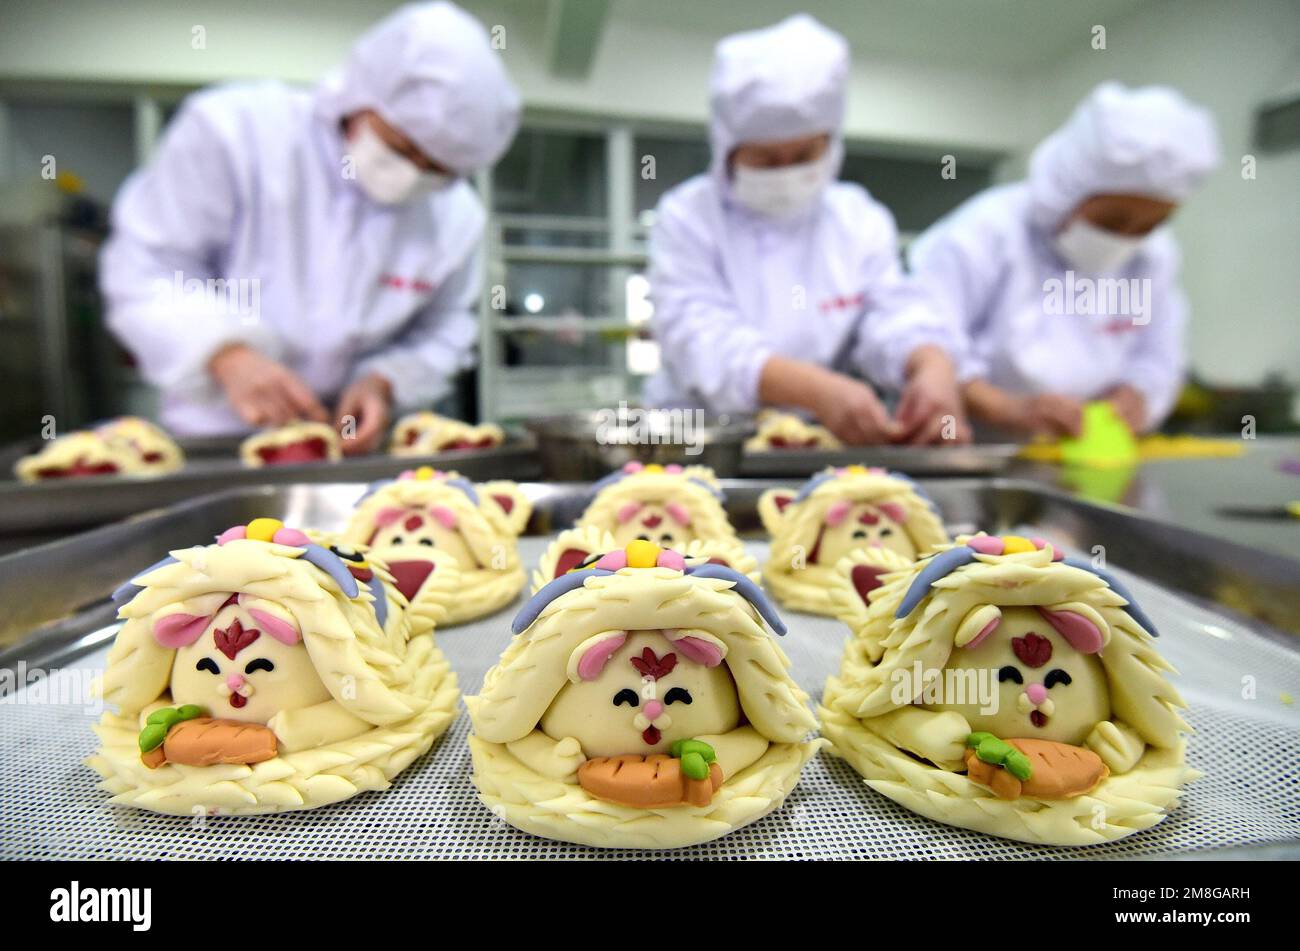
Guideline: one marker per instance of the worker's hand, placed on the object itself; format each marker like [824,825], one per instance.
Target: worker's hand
[363,413]
[1051,414]
[930,410]
[851,410]
[264,392]
[1131,406]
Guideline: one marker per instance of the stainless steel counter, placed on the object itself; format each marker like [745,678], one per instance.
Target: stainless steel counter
[1213,496]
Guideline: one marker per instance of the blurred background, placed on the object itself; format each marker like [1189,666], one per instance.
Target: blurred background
[616,113]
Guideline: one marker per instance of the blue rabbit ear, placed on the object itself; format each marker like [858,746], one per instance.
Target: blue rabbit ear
[713,490]
[808,487]
[465,486]
[332,565]
[129,589]
[618,475]
[936,567]
[1132,608]
[549,592]
[746,589]
[376,587]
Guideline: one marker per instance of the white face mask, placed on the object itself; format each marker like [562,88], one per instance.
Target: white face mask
[385,176]
[781,192]
[1094,250]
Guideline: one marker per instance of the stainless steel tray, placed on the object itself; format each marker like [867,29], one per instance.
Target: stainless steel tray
[990,459]
[1224,612]
[30,514]
[48,586]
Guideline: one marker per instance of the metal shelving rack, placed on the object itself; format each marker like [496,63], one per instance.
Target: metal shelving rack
[555,389]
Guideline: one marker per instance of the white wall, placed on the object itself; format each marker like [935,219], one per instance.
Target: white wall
[644,69]
[1239,238]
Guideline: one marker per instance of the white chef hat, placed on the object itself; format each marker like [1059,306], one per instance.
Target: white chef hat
[780,82]
[1149,141]
[429,70]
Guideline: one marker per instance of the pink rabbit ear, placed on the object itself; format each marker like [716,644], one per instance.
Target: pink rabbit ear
[445,516]
[1080,632]
[234,533]
[838,512]
[628,512]
[291,537]
[387,516]
[179,630]
[679,513]
[595,657]
[894,511]
[698,650]
[280,629]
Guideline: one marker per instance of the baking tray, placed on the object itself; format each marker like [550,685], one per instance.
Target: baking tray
[920,461]
[30,514]
[1247,742]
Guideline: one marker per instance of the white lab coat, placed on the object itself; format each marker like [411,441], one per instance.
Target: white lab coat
[990,267]
[251,184]
[987,267]
[730,287]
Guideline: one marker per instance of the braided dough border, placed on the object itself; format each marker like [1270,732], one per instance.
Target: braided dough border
[565,811]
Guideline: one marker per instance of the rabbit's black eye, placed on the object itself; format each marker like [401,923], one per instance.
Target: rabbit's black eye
[1010,673]
[886,532]
[427,542]
[208,664]
[677,695]
[627,696]
[859,534]
[397,540]
[1055,677]
[260,664]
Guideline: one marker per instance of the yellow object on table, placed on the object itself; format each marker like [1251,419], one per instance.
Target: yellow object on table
[1105,442]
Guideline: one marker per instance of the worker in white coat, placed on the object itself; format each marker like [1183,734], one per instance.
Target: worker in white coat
[290,250]
[766,273]
[1066,286]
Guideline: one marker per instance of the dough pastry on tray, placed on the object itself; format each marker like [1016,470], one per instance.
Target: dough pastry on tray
[265,673]
[641,704]
[834,513]
[996,686]
[426,518]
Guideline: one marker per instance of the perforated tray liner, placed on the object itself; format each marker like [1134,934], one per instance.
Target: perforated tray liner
[1248,749]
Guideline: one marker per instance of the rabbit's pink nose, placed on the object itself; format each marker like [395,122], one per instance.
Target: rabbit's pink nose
[235,681]
[653,709]
[1037,693]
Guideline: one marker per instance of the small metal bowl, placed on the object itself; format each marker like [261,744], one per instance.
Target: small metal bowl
[580,447]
